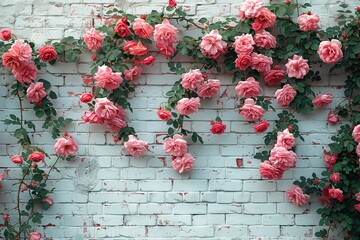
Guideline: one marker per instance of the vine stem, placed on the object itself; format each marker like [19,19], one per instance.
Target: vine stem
[18,197]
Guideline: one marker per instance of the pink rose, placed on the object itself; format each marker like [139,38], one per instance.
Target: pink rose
[107,79]
[35,92]
[335,177]
[248,88]
[282,158]
[285,139]
[261,63]
[17,159]
[172,3]
[122,29]
[285,95]
[25,72]
[268,171]
[5,34]
[188,106]
[49,200]
[356,133]
[250,111]
[209,88]
[116,123]
[36,156]
[47,53]
[135,147]
[330,52]
[91,117]
[175,146]
[133,73]
[264,39]
[65,146]
[128,45]
[93,39]
[217,128]
[358,149]
[142,28]
[297,67]
[35,236]
[104,108]
[329,159]
[86,97]
[256,26]
[184,163]
[262,126]
[164,114]
[297,196]
[149,60]
[274,76]
[308,22]
[192,79]
[243,61]
[10,60]
[332,118]
[165,37]
[251,8]
[357,207]
[266,18]
[22,50]
[325,198]
[212,45]
[138,50]
[336,194]
[322,100]
[243,44]
[357,197]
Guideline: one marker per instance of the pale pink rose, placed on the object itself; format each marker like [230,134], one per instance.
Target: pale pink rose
[22,50]
[261,126]
[242,15]
[17,159]
[135,147]
[5,34]
[260,62]
[357,197]
[282,158]
[25,72]
[243,61]
[264,39]
[358,149]
[129,44]
[142,28]
[184,163]
[91,117]
[250,111]
[164,114]
[106,78]
[251,8]
[35,92]
[209,88]
[336,194]
[332,118]
[121,113]
[188,106]
[297,67]
[212,45]
[165,37]
[93,39]
[248,88]
[265,18]
[35,236]
[308,22]
[274,76]
[330,51]
[297,196]
[192,79]
[322,100]
[285,95]
[268,171]
[10,60]
[133,73]
[285,139]
[243,44]
[65,146]
[356,133]
[116,123]
[104,108]
[335,177]
[175,146]
[121,28]
[138,50]
[329,159]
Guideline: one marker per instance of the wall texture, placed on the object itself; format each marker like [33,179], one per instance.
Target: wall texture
[105,194]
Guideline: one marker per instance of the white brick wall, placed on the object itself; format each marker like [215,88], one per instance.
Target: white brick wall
[106,195]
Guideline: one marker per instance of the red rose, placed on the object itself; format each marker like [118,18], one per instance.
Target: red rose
[149,60]
[172,3]
[217,128]
[5,34]
[164,114]
[332,118]
[6,217]
[261,126]
[122,29]
[86,97]
[47,53]
[37,156]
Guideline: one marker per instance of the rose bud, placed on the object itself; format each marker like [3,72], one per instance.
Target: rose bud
[6,218]
[332,118]
[5,34]
[164,114]
[261,126]
[217,128]
[149,60]
[93,57]
[17,159]
[86,97]
[36,156]
[172,3]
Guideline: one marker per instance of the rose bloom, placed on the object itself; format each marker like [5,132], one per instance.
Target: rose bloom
[5,34]
[262,126]
[35,92]
[192,79]
[357,207]
[256,26]
[10,60]
[116,123]
[49,200]
[149,60]
[325,198]
[21,50]
[36,156]
[184,163]
[330,51]
[164,114]
[129,44]
[282,158]
[35,236]
[104,108]
[243,61]
[106,78]
[308,22]
[356,133]
[172,3]
[260,62]
[142,28]
[329,159]
[212,45]
[217,128]
[175,146]
[357,196]
[285,95]
[248,88]
[251,8]
[25,72]
[17,159]
[65,146]
[138,50]
[274,76]
[322,100]
[135,147]
[188,106]
[86,97]
[285,139]
[266,18]
[93,39]
[250,111]
[47,53]
[264,39]
[133,73]
[337,194]
[91,117]
[332,118]
[165,37]
[270,172]
[358,149]
[209,88]
[243,44]
[297,67]
[122,29]
[335,177]
[297,196]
